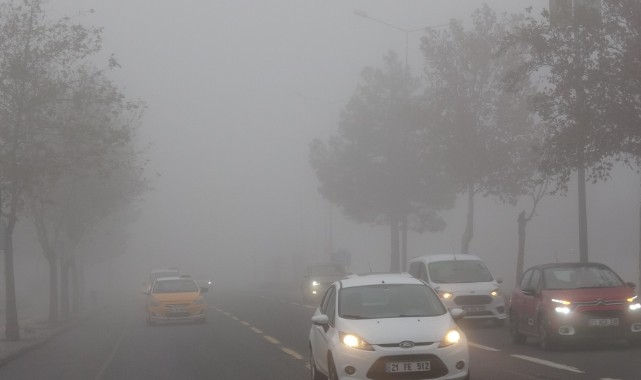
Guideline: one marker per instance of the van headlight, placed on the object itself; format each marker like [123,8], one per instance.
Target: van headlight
[451,337]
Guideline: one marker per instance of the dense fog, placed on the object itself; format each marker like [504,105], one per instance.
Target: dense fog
[236,91]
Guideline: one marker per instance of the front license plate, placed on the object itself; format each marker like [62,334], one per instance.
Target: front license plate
[604,322]
[473,308]
[407,367]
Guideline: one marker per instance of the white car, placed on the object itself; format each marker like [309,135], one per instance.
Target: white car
[463,281]
[386,326]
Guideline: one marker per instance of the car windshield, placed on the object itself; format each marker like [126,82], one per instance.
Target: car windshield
[578,277]
[175,286]
[389,301]
[156,275]
[327,270]
[459,271]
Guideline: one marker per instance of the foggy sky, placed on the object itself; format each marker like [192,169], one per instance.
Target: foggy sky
[237,89]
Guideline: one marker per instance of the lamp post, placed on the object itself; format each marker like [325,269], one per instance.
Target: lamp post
[407,32]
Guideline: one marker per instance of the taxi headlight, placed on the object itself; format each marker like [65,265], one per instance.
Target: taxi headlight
[355,341]
[452,337]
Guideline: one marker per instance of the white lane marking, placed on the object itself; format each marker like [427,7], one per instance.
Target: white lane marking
[548,363]
[245,323]
[482,347]
[608,378]
[112,354]
[293,353]
[271,339]
[254,329]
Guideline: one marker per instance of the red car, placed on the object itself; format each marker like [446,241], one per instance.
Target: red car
[568,301]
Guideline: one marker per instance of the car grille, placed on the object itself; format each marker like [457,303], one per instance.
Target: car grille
[179,314]
[377,370]
[398,344]
[473,300]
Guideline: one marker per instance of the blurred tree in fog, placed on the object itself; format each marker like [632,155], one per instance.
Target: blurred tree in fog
[588,93]
[36,58]
[476,126]
[375,168]
[99,172]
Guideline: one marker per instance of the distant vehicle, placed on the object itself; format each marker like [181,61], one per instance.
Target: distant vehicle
[318,277]
[176,299]
[570,301]
[463,281]
[204,280]
[386,326]
[156,273]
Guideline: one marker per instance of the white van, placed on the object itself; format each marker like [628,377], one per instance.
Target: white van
[462,281]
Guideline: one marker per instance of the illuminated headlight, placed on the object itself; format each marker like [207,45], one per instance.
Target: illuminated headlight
[154,302]
[354,341]
[634,305]
[315,283]
[445,295]
[199,301]
[562,302]
[495,293]
[452,337]
[562,310]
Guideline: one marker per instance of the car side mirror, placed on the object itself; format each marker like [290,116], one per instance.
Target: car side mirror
[457,313]
[320,320]
[499,280]
[631,284]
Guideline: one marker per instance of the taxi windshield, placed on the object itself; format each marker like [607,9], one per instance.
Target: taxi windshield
[175,286]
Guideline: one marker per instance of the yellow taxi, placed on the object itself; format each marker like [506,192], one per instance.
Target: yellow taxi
[175,299]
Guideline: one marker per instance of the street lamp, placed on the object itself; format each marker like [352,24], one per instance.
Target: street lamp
[407,32]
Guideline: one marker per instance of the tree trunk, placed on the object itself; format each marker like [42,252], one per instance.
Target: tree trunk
[53,289]
[394,240]
[12,329]
[64,288]
[75,291]
[583,218]
[404,244]
[469,225]
[522,222]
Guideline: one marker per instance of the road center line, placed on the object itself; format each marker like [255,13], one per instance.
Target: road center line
[112,354]
[293,353]
[548,363]
[482,347]
[271,340]
[254,329]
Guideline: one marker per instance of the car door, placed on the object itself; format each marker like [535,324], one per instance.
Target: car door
[531,300]
[322,334]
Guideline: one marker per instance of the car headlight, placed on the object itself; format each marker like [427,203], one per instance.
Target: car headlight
[315,283]
[445,295]
[199,301]
[452,337]
[562,307]
[354,341]
[495,292]
[634,305]
[154,302]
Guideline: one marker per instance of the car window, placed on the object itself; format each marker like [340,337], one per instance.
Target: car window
[325,300]
[175,286]
[535,280]
[459,271]
[577,277]
[389,301]
[331,307]
[414,269]
[525,280]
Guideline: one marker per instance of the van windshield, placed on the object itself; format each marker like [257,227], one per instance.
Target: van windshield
[459,271]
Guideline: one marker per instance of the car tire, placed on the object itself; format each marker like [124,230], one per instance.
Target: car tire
[515,336]
[315,373]
[333,375]
[546,341]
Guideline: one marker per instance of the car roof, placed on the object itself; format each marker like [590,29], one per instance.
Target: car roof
[446,257]
[153,271]
[569,265]
[378,278]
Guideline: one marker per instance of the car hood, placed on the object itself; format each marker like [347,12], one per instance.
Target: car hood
[618,293]
[396,330]
[176,297]
[467,288]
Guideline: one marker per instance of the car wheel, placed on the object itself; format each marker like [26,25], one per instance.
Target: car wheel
[333,375]
[315,373]
[546,340]
[515,335]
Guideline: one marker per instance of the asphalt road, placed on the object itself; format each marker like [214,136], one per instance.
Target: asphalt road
[263,335]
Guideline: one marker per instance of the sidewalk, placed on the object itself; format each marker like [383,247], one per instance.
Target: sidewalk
[34,332]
